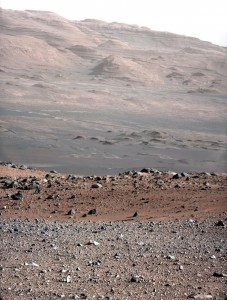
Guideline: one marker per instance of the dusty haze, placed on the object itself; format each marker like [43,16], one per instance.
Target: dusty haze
[92,97]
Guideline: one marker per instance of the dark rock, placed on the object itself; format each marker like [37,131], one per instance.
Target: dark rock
[71,177]
[220,223]
[184,174]
[177,176]
[53,172]
[12,185]
[136,278]
[17,196]
[217,274]
[145,170]
[92,211]
[96,185]
[37,188]
[135,214]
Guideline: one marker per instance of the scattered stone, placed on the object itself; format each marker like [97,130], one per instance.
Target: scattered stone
[177,176]
[72,212]
[33,264]
[17,196]
[37,188]
[68,279]
[71,177]
[170,257]
[184,174]
[160,182]
[96,185]
[43,271]
[136,278]
[200,296]
[135,214]
[92,242]
[220,223]
[92,211]
[217,274]
[145,170]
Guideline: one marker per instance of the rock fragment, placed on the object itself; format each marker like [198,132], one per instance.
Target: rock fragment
[72,212]
[96,185]
[92,211]
[17,196]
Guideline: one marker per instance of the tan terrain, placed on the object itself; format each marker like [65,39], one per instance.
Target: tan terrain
[90,97]
[134,123]
[137,235]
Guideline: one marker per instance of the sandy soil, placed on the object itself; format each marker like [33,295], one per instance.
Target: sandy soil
[151,236]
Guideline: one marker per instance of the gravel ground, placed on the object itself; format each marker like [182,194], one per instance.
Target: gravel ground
[43,259]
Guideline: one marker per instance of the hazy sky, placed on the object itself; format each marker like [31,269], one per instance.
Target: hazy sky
[205,19]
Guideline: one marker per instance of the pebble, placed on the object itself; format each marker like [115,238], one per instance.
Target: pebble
[17,196]
[68,279]
[217,274]
[33,264]
[71,212]
[92,242]
[136,278]
[92,211]
[96,185]
[170,257]
[200,296]
[220,223]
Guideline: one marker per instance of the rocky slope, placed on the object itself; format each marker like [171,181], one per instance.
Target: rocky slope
[62,79]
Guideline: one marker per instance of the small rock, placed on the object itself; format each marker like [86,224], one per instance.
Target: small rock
[145,170]
[135,214]
[220,223]
[200,296]
[53,172]
[96,185]
[33,264]
[92,211]
[217,274]
[92,242]
[170,257]
[17,196]
[71,212]
[136,278]
[177,176]
[160,182]
[184,174]
[43,271]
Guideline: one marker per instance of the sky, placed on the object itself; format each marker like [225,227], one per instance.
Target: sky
[204,19]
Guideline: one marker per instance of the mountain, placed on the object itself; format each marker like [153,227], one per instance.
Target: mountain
[62,79]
